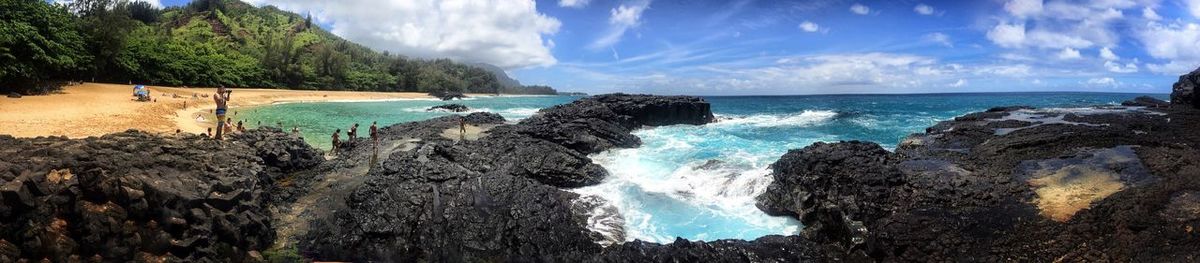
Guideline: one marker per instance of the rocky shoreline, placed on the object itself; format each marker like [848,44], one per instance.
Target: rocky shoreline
[1013,183]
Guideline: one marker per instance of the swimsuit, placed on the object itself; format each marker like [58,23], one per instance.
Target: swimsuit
[220,112]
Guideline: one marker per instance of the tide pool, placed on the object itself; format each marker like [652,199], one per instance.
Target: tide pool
[699,182]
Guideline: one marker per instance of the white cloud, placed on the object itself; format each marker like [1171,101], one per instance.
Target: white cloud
[1103,82]
[923,9]
[1194,7]
[860,9]
[155,3]
[1175,67]
[1171,41]
[1059,24]
[960,83]
[1149,14]
[938,37]
[509,34]
[1113,66]
[809,26]
[1068,54]
[621,19]
[1175,43]
[1024,8]
[1007,35]
[1019,70]
[573,3]
[1107,54]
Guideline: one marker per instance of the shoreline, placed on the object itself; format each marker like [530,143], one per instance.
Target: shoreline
[95,109]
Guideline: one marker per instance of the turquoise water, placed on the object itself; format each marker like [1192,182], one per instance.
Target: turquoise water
[658,189]
[318,120]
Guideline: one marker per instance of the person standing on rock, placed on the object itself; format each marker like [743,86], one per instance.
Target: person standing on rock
[336,140]
[353,133]
[374,133]
[462,127]
[374,143]
[222,100]
[296,130]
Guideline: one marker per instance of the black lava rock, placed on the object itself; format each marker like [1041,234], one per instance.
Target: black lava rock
[132,196]
[1184,91]
[1146,101]
[447,95]
[449,107]
[1114,179]
[434,198]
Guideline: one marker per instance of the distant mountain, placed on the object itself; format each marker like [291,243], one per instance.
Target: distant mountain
[500,74]
[218,42]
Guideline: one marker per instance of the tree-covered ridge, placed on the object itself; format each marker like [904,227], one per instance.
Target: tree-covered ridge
[211,43]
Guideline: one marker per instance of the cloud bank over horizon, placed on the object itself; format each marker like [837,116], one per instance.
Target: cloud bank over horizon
[783,47]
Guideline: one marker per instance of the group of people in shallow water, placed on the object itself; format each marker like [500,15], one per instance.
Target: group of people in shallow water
[352,134]
[226,126]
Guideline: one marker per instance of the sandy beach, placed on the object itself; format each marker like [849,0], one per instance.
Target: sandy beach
[93,109]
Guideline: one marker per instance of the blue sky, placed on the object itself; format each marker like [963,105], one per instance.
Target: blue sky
[790,47]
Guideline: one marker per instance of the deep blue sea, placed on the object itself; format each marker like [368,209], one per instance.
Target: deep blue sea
[658,189]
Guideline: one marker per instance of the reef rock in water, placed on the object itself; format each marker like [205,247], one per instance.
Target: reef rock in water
[1112,183]
[1015,183]
[440,196]
[450,108]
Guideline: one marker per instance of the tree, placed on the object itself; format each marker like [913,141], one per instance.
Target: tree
[106,25]
[142,11]
[37,42]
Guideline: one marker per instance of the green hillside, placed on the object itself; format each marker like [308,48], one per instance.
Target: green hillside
[210,43]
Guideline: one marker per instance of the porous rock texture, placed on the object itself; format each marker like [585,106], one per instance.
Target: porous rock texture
[450,108]
[1184,91]
[1096,184]
[133,196]
[497,198]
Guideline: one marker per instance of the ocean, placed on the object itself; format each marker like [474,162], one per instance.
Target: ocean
[698,182]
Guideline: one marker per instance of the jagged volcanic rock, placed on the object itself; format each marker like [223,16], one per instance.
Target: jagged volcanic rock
[1184,91]
[437,196]
[133,196]
[1012,183]
[450,108]
[1146,101]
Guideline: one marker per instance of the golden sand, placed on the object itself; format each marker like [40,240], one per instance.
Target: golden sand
[93,109]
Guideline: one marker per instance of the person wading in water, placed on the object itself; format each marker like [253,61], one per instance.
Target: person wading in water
[222,99]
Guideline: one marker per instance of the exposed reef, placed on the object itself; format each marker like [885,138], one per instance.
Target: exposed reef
[497,197]
[449,108]
[1013,183]
[1111,183]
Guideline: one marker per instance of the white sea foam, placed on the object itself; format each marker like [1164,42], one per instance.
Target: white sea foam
[511,113]
[805,118]
[661,193]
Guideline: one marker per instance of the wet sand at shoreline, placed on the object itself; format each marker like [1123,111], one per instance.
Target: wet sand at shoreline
[93,109]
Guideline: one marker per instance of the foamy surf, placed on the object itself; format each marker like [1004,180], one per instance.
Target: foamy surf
[680,184]
[805,118]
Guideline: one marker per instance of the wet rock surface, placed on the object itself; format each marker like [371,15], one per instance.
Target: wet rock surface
[1011,183]
[134,196]
[1007,184]
[449,108]
[1146,101]
[497,197]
